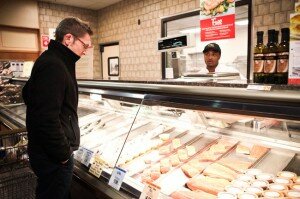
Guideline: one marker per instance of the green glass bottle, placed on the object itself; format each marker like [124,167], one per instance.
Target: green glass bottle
[270,59]
[283,57]
[258,69]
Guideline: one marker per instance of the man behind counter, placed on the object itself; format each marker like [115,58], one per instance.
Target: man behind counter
[212,54]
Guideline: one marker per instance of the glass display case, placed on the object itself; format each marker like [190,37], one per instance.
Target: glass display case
[191,142]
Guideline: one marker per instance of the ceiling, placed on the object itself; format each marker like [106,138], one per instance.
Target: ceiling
[88,4]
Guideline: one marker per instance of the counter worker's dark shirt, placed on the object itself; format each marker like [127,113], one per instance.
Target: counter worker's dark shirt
[51,96]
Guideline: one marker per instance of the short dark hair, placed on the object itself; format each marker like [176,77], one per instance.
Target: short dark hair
[72,25]
[212,47]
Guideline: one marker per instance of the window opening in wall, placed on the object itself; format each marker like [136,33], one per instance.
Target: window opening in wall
[235,52]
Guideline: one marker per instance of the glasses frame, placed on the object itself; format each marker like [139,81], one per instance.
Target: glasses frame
[85,46]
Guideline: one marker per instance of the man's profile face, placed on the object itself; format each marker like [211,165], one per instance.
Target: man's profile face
[78,45]
[211,59]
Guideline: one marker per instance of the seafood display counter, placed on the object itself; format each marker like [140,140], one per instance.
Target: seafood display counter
[188,141]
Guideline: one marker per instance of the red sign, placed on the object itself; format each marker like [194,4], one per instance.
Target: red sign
[45,41]
[217,28]
[294,81]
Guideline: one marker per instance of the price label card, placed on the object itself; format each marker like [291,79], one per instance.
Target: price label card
[116,178]
[97,166]
[79,154]
[151,191]
[259,87]
[87,156]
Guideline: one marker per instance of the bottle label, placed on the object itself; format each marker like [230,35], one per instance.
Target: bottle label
[258,63]
[283,62]
[270,63]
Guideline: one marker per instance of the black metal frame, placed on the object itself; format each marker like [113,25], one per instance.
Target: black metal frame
[194,13]
[108,65]
[101,49]
[223,105]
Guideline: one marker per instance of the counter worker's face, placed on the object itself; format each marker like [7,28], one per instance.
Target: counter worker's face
[211,59]
[78,45]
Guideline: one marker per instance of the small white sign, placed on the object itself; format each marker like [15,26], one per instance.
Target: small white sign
[116,178]
[27,67]
[79,154]
[259,87]
[87,156]
[169,73]
[52,33]
[151,191]
[97,167]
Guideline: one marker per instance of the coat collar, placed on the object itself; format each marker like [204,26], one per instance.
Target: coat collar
[67,55]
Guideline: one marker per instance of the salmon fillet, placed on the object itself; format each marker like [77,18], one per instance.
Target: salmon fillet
[207,184]
[219,171]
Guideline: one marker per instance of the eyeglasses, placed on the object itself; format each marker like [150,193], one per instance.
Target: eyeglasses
[85,46]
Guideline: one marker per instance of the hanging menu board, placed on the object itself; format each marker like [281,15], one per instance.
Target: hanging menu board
[217,19]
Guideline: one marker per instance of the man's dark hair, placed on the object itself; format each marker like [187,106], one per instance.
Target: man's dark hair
[73,26]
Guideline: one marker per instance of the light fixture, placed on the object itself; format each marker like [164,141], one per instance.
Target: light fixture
[190,30]
[243,22]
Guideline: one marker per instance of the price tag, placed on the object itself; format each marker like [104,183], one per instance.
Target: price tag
[87,155]
[151,191]
[116,178]
[79,154]
[259,87]
[97,166]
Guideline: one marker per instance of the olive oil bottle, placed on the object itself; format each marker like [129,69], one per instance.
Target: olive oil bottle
[283,57]
[270,59]
[258,69]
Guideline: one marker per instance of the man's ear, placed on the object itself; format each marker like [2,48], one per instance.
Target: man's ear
[68,39]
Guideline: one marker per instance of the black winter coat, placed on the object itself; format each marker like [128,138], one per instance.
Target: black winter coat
[51,96]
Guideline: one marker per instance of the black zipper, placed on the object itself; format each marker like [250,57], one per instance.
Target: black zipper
[72,127]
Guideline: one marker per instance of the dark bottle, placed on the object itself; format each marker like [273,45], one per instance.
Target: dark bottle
[270,56]
[258,69]
[283,57]
[276,37]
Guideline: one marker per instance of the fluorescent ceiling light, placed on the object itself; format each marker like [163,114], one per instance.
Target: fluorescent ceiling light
[191,30]
[242,22]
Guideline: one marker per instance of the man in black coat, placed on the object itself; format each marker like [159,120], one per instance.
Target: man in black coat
[51,96]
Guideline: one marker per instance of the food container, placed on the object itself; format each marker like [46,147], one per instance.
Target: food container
[283,181]
[287,174]
[240,184]
[246,178]
[297,180]
[265,176]
[255,190]
[260,183]
[248,196]
[226,195]
[272,194]
[293,194]
[278,187]
[295,187]
[233,190]
[253,172]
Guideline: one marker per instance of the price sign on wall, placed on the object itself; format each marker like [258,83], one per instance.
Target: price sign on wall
[45,41]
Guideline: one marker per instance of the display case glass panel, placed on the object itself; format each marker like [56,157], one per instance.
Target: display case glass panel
[198,153]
